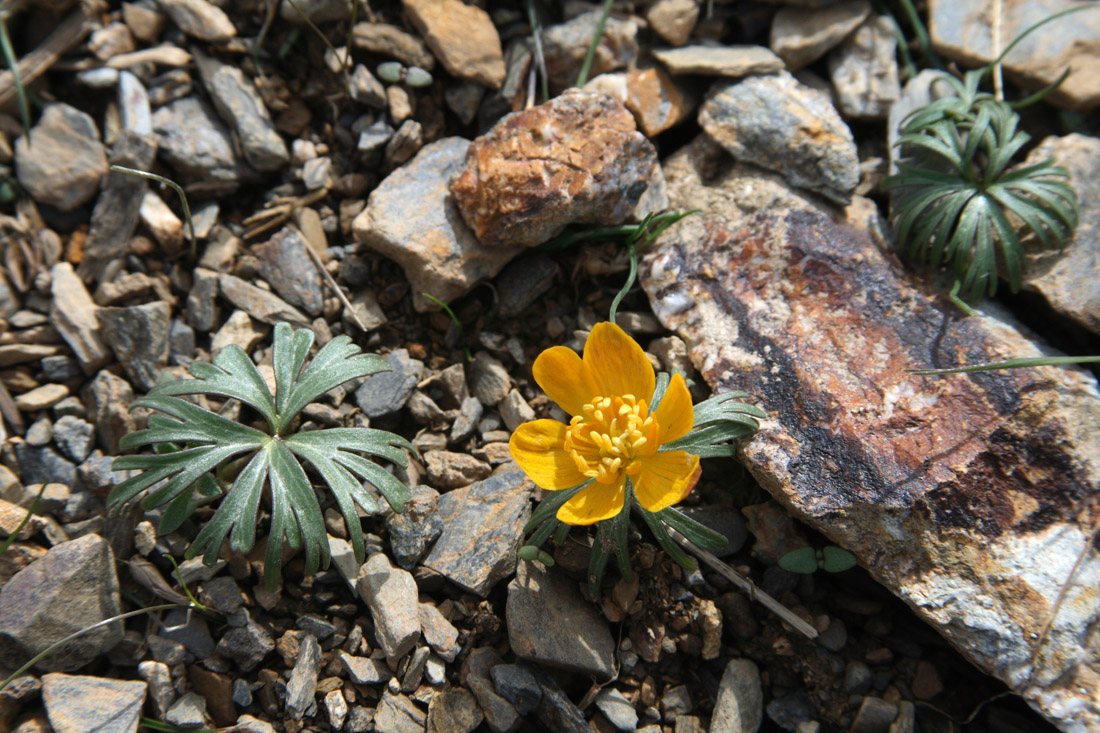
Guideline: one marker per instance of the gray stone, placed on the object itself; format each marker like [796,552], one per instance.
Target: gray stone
[189,711]
[724,520]
[843,279]
[415,529]
[77,704]
[556,710]
[469,414]
[240,105]
[733,61]
[566,44]
[835,636]
[139,337]
[365,670]
[516,684]
[549,622]
[246,645]
[222,594]
[167,651]
[875,716]
[198,146]
[864,71]
[391,595]
[454,709]
[61,369]
[960,31]
[387,392]
[161,692]
[239,329]
[800,36]
[617,709]
[202,309]
[1066,279]
[464,100]
[500,715]
[39,433]
[447,470]
[740,703]
[191,631]
[336,709]
[74,437]
[286,265]
[438,633]
[73,314]
[44,466]
[316,626]
[242,693]
[181,343]
[482,529]
[259,303]
[790,710]
[523,281]
[108,399]
[65,160]
[777,123]
[488,379]
[200,19]
[398,714]
[72,586]
[921,90]
[133,105]
[515,411]
[373,140]
[302,684]
[404,144]
[439,254]
[116,211]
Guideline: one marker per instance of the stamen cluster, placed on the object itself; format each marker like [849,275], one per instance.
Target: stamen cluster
[610,435]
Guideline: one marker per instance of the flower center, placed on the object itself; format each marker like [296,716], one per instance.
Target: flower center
[610,435]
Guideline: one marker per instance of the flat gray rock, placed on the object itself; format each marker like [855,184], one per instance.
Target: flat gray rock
[240,105]
[198,146]
[391,595]
[387,392]
[72,586]
[139,337]
[412,219]
[301,686]
[800,36]
[549,622]
[960,31]
[261,304]
[864,71]
[482,529]
[65,161]
[78,704]
[73,314]
[777,123]
[288,268]
[740,703]
[565,46]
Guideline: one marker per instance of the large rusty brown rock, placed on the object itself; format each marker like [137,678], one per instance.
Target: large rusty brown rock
[969,496]
[577,159]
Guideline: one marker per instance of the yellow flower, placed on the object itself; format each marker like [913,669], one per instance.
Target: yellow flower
[612,435]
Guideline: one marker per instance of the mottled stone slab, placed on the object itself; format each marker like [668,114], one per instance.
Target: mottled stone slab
[482,528]
[1067,278]
[961,30]
[76,703]
[964,495]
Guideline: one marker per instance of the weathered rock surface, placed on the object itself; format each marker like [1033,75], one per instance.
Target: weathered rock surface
[961,32]
[462,37]
[576,159]
[198,146]
[482,527]
[390,594]
[73,586]
[199,18]
[390,40]
[240,105]
[1067,278]
[76,703]
[801,36]
[549,622]
[565,46]
[720,60]
[439,253]
[64,161]
[139,337]
[656,101]
[288,268]
[260,304]
[864,71]
[780,124]
[964,494]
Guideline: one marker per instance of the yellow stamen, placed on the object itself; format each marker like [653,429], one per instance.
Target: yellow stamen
[612,447]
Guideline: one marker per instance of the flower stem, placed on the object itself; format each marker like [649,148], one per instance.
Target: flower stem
[627,286]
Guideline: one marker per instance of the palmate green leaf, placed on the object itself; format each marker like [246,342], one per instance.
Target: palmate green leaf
[270,462]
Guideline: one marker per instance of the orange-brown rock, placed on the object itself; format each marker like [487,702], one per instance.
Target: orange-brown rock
[969,496]
[462,37]
[575,159]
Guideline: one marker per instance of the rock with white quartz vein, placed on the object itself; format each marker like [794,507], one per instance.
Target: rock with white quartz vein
[961,494]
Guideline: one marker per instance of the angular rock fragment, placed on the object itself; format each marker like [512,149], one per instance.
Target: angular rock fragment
[673,20]
[719,60]
[73,314]
[578,159]
[389,40]
[549,622]
[462,37]
[961,494]
[199,18]
[438,252]
[73,586]
[390,594]
[198,146]
[779,124]
[65,160]
[801,36]
[482,527]
[387,392]
[864,71]
[566,45]
[139,337]
[287,267]
[259,303]
[78,703]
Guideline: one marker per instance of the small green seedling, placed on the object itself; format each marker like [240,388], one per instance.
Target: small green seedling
[396,73]
[807,560]
[210,454]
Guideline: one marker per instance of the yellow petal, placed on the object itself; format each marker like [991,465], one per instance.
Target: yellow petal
[594,504]
[665,478]
[537,448]
[618,363]
[675,414]
[565,378]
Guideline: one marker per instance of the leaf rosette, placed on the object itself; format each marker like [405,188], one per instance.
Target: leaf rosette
[199,453]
